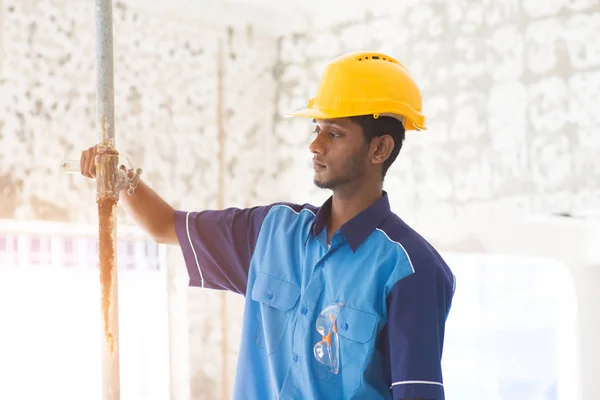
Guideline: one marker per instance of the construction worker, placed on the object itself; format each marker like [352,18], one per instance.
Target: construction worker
[343,300]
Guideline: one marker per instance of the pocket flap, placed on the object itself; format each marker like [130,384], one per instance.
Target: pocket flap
[356,325]
[275,292]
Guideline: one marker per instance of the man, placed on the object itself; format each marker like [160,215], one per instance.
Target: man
[344,300]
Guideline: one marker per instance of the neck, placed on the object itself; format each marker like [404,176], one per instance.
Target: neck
[348,202]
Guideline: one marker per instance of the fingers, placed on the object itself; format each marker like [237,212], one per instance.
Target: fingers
[92,163]
[87,162]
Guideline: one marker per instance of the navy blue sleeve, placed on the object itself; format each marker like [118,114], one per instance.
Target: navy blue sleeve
[413,339]
[218,245]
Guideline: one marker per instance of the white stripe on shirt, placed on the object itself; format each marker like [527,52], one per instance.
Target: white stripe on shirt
[415,382]
[187,228]
[399,244]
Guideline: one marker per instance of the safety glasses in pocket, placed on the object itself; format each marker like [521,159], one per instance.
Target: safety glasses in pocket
[328,349]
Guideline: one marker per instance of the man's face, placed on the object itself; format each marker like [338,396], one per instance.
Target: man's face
[340,153]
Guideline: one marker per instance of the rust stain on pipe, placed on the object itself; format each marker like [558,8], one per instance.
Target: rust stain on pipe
[107,247]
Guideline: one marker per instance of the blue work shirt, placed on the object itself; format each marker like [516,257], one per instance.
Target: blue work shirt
[395,287]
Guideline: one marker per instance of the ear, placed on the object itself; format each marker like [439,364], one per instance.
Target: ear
[381,148]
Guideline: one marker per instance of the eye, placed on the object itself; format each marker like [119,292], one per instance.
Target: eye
[317,130]
[336,134]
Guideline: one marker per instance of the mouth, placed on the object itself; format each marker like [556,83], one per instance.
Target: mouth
[318,166]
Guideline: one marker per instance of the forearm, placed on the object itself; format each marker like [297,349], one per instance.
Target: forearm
[151,212]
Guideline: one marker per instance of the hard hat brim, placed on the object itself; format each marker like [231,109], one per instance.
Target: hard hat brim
[320,114]
[312,113]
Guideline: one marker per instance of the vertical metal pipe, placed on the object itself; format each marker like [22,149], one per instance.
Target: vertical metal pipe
[105,110]
[107,196]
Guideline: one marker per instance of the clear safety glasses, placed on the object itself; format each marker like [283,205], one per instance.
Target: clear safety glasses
[328,349]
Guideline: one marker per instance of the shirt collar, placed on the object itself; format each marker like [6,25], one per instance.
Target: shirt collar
[358,228]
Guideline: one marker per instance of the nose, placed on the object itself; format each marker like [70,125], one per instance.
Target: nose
[317,147]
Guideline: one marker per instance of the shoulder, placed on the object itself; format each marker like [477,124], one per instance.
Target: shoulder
[425,261]
[292,208]
[286,215]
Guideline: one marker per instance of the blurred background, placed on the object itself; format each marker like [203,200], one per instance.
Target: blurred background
[505,182]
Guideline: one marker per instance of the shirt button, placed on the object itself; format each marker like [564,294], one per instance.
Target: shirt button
[270,296]
[304,310]
[345,327]
[295,358]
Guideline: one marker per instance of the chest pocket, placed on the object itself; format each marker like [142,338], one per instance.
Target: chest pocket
[277,299]
[356,330]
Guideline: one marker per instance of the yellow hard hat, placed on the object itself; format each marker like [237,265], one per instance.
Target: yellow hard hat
[367,83]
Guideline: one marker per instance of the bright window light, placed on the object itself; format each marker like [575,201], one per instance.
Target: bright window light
[511,333]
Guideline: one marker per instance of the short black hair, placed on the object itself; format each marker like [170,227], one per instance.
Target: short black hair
[373,127]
